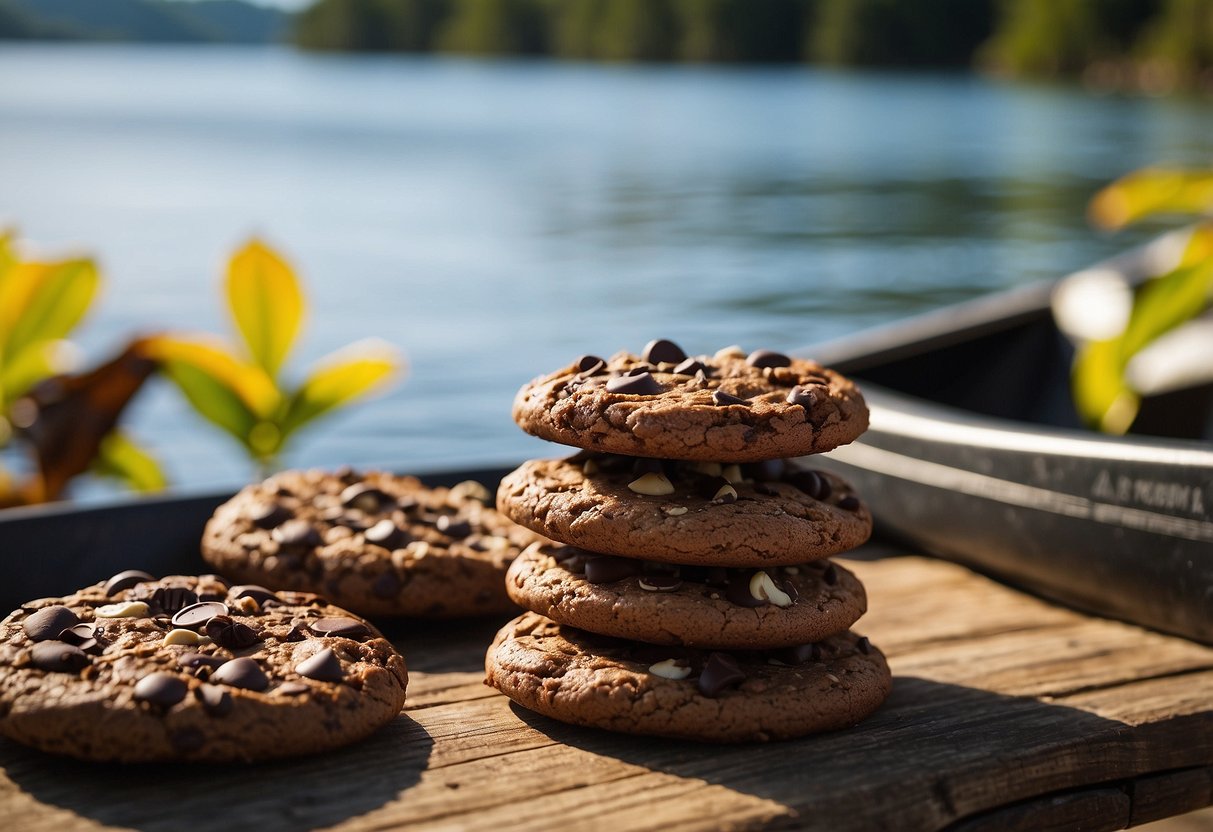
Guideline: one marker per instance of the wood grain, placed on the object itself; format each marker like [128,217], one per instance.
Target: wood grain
[1007,713]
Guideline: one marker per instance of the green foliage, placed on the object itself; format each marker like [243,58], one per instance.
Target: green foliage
[896,33]
[495,27]
[238,389]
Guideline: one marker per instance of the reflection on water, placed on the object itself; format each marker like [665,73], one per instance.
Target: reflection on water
[497,219]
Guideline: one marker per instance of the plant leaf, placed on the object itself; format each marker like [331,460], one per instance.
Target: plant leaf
[44,302]
[1152,191]
[120,458]
[339,378]
[266,302]
[1102,398]
[34,364]
[1165,302]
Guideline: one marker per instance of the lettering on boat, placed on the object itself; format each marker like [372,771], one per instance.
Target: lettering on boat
[1155,494]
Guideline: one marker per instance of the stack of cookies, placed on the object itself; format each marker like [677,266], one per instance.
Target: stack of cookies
[689,593]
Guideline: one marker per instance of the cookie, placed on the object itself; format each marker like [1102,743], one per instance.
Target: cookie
[693,606]
[725,407]
[136,669]
[767,514]
[374,543]
[576,677]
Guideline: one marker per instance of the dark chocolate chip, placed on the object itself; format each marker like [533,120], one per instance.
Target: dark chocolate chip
[738,590]
[230,633]
[366,498]
[589,364]
[125,580]
[340,626]
[849,503]
[690,367]
[607,569]
[806,397]
[258,593]
[194,661]
[291,689]
[864,646]
[58,657]
[457,529]
[296,533]
[214,699]
[172,599]
[638,385]
[789,589]
[48,622]
[163,689]
[660,583]
[323,667]
[799,654]
[298,632]
[386,585]
[662,351]
[830,576]
[811,483]
[719,397]
[387,534]
[79,635]
[639,369]
[768,358]
[196,615]
[720,672]
[268,515]
[241,673]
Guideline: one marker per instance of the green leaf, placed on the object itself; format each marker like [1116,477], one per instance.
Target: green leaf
[266,302]
[339,378]
[37,363]
[121,459]
[1102,398]
[44,302]
[1152,191]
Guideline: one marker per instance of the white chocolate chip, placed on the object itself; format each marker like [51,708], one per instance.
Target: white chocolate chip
[726,492]
[652,484]
[732,473]
[731,352]
[670,669]
[675,511]
[494,543]
[183,637]
[125,609]
[792,570]
[247,605]
[764,589]
[590,467]
[418,549]
[468,489]
[715,596]
[710,469]
[832,677]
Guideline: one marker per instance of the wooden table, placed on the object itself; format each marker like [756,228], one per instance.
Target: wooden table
[1007,713]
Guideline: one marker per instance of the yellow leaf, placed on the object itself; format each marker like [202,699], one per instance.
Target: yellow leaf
[341,377]
[44,302]
[35,364]
[266,303]
[249,383]
[120,458]
[1152,191]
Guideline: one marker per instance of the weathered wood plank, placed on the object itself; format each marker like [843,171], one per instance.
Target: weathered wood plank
[1163,795]
[1092,810]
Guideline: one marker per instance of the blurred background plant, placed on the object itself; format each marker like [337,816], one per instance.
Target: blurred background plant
[240,389]
[1156,338]
[65,424]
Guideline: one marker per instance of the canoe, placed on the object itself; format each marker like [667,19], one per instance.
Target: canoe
[975,454]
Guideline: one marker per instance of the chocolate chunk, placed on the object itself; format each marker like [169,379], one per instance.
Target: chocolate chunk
[738,590]
[125,580]
[806,397]
[172,599]
[451,527]
[639,369]
[386,585]
[195,661]
[343,627]
[241,673]
[58,657]
[719,397]
[387,534]
[163,689]
[768,358]
[589,364]
[48,622]
[258,593]
[214,699]
[291,689]
[80,635]
[789,589]
[323,667]
[297,534]
[607,569]
[366,498]
[298,632]
[661,351]
[811,483]
[799,654]
[830,575]
[268,515]
[660,583]
[864,646]
[230,633]
[849,503]
[720,672]
[690,367]
[638,385]
[196,615]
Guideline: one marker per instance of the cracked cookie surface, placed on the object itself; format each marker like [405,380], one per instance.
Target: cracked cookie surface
[590,680]
[375,543]
[703,607]
[725,407]
[189,668]
[777,515]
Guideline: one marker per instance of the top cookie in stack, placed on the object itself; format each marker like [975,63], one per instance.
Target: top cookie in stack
[693,598]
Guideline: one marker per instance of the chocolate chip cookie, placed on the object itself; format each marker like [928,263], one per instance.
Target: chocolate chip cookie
[759,515]
[375,543]
[191,668]
[693,606]
[710,696]
[731,406]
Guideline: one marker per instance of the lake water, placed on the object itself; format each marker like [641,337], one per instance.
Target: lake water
[496,219]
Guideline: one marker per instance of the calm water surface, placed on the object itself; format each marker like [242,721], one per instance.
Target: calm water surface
[497,219]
